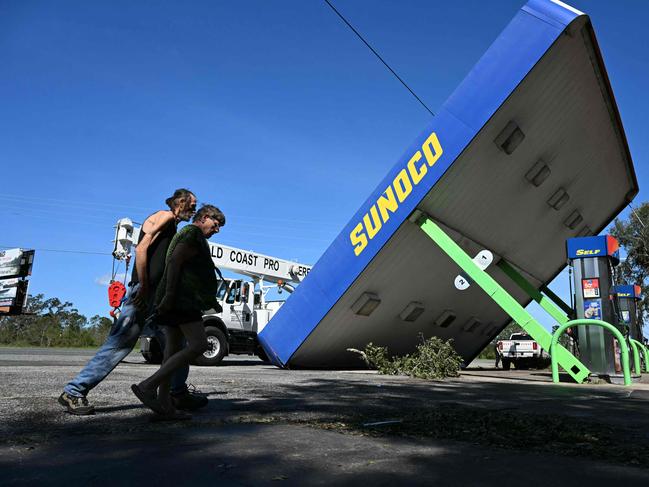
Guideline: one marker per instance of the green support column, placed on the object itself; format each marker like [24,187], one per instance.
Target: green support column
[559,302]
[547,304]
[569,362]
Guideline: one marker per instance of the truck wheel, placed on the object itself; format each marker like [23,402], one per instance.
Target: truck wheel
[151,350]
[506,364]
[218,345]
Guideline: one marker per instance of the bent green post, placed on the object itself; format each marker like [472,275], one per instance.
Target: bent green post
[583,322]
[635,342]
[551,306]
[636,357]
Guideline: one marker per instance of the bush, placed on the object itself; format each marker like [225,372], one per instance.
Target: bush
[433,359]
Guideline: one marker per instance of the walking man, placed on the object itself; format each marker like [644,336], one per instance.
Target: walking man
[155,236]
[188,286]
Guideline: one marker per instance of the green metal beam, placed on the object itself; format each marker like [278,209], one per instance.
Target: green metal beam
[545,303]
[558,301]
[569,362]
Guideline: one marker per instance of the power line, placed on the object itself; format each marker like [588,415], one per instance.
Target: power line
[97,220]
[58,250]
[67,202]
[14,207]
[378,56]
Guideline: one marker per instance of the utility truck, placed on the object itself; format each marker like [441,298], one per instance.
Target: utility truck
[244,309]
[522,351]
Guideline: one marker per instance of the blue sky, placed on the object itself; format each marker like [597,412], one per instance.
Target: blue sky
[273,111]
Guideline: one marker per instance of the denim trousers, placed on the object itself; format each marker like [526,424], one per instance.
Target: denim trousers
[120,342]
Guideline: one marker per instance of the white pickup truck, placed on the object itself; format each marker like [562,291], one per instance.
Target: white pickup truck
[522,351]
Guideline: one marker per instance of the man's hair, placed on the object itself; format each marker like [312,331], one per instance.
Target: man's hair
[180,196]
[212,212]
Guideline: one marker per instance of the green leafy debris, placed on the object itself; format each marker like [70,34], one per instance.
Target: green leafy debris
[433,359]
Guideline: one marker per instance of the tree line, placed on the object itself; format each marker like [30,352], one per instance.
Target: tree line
[53,323]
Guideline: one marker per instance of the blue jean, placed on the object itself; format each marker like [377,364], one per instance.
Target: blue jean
[120,341]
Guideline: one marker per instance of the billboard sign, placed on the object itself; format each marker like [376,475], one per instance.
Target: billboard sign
[13,293]
[16,263]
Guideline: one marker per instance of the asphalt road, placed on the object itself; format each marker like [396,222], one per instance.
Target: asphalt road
[264,426]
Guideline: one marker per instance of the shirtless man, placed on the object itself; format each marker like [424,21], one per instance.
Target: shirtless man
[155,236]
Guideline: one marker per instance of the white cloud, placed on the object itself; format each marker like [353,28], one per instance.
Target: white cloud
[105,279]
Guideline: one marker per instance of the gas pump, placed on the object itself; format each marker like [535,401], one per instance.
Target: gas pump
[593,260]
[626,298]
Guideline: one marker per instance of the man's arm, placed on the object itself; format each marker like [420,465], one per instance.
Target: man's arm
[152,227]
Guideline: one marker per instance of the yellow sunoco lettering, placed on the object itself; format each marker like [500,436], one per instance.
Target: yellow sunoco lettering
[431,157]
[416,174]
[402,185]
[358,238]
[386,202]
[372,230]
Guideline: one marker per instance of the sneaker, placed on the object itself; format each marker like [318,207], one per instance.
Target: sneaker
[189,400]
[148,398]
[76,405]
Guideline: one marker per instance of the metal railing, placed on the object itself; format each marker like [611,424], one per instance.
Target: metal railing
[635,344]
[583,322]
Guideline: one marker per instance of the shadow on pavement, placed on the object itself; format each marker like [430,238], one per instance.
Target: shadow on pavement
[448,433]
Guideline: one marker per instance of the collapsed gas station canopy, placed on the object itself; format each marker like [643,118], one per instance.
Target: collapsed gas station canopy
[527,152]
